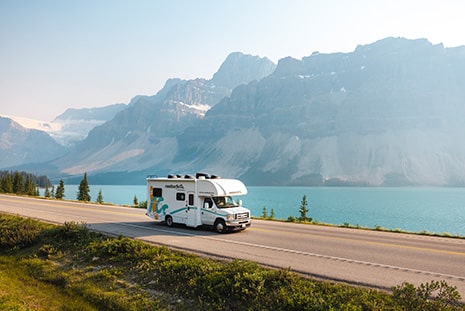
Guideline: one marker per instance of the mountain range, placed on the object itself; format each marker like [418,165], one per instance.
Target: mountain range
[20,145]
[389,113]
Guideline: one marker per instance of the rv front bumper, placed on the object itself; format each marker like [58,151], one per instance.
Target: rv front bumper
[238,225]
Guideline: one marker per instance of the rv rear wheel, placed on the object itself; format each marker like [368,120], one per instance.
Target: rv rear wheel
[220,226]
[169,221]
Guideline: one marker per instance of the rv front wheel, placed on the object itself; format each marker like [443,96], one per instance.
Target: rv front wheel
[169,221]
[220,226]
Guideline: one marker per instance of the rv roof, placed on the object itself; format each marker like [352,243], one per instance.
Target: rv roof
[209,187]
[184,177]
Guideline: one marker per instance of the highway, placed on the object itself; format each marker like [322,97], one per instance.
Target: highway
[361,257]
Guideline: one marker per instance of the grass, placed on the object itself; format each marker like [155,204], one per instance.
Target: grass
[49,267]
[20,290]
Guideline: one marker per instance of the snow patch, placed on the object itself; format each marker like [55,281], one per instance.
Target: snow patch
[200,109]
[35,124]
[65,132]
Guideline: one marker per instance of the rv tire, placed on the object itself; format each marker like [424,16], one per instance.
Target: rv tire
[169,221]
[220,226]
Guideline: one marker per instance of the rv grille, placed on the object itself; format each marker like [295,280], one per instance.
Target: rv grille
[242,215]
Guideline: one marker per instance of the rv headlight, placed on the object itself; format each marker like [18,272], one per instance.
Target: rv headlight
[230,217]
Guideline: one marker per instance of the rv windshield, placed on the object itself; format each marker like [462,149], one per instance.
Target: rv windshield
[225,202]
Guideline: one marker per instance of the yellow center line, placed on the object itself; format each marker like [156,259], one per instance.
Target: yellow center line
[392,245]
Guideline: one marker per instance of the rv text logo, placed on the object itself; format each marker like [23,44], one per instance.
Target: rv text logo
[175,186]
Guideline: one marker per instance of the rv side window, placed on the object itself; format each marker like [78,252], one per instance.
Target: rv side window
[156,192]
[191,199]
[180,196]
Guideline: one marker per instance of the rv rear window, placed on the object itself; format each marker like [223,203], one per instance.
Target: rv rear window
[180,196]
[156,192]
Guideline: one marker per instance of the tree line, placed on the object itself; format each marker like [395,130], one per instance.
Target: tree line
[82,195]
[24,183]
[19,182]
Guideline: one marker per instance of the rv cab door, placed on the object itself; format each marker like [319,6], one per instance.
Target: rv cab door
[208,212]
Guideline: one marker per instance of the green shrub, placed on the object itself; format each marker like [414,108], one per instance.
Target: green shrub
[17,232]
[119,249]
[435,295]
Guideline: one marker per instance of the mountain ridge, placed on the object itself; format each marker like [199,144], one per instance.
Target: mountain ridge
[390,113]
[371,117]
[139,136]
[19,145]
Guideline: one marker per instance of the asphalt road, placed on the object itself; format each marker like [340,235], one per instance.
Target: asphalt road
[370,258]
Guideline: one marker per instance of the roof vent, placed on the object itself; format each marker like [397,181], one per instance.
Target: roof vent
[204,175]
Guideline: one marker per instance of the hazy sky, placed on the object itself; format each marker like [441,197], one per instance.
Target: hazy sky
[58,54]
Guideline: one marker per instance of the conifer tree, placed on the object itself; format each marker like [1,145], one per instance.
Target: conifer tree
[83,193]
[60,192]
[30,187]
[8,184]
[304,210]
[99,197]
[18,186]
[136,201]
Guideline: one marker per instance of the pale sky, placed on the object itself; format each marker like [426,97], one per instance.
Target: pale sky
[59,54]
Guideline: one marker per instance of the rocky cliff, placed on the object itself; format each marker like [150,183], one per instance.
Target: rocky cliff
[388,113]
[145,134]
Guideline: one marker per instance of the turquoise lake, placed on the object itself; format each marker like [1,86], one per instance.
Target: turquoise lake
[435,210]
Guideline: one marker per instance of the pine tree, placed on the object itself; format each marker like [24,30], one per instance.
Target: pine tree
[99,197]
[264,213]
[83,193]
[30,187]
[136,201]
[303,209]
[60,192]
[18,186]
[8,184]
[272,214]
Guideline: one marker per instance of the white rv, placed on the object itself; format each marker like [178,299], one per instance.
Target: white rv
[197,200]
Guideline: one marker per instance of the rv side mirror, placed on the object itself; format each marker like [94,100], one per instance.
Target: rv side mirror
[206,205]
[239,202]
